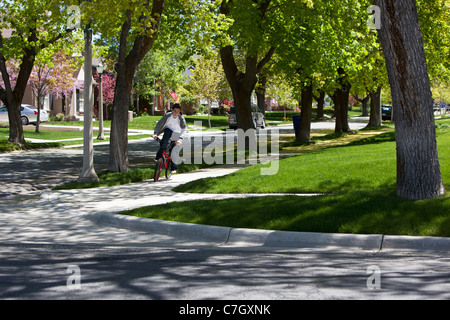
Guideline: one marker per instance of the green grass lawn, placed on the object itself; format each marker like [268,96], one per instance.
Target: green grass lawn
[359,185]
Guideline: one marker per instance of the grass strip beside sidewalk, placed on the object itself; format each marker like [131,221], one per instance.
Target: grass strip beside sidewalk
[380,212]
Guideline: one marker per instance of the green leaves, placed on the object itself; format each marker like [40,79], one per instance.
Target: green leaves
[35,24]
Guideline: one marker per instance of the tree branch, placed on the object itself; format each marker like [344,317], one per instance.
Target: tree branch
[4,72]
[144,41]
[229,65]
[266,59]
[56,38]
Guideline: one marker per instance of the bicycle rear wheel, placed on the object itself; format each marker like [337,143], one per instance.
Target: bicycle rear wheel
[168,172]
[158,169]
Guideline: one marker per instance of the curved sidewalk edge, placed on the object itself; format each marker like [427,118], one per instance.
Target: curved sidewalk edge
[269,238]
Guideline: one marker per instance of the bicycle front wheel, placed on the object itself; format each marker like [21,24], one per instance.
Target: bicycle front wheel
[158,169]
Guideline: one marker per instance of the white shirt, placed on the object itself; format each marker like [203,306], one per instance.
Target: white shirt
[174,124]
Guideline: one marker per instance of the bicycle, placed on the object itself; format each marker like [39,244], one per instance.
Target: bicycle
[164,163]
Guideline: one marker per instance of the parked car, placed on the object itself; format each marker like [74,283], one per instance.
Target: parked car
[257,115]
[386,112]
[28,114]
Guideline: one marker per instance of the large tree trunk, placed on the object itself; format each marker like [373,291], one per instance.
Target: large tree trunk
[12,97]
[126,67]
[118,148]
[15,123]
[375,108]
[304,133]
[418,169]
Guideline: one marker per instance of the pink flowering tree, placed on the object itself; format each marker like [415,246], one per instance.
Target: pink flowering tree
[108,87]
[54,76]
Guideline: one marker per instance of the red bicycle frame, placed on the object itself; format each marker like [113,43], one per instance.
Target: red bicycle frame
[164,164]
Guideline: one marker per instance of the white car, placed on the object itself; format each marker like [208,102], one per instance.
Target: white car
[28,114]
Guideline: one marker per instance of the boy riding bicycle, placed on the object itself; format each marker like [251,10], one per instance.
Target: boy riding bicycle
[174,127]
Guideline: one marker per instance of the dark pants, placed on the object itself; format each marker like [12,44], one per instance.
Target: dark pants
[167,145]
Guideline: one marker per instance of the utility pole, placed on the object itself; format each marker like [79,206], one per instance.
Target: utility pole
[88,173]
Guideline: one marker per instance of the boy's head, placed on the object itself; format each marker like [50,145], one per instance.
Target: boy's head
[176,110]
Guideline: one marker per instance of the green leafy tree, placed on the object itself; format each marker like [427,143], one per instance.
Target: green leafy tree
[252,42]
[322,52]
[132,26]
[28,27]
[162,69]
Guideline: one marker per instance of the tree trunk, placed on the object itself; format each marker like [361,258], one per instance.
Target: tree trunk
[418,170]
[209,113]
[375,108]
[364,104]
[304,133]
[40,100]
[15,123]
[242,97]
[118,148]
[241,85]
[341,103]
[320,103]
[126,67]
[261,94]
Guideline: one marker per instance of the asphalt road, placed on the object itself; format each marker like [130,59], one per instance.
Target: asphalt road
[51,271]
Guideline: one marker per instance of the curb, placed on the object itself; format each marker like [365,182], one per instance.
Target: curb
[303,239]
[169,228]
[416,243]
[236,236]
[269,238]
